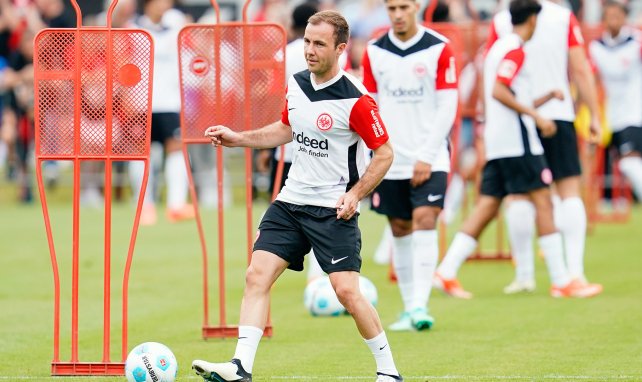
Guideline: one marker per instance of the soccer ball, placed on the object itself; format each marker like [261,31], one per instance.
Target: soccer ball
[320,300]
[151,362]
[369,290]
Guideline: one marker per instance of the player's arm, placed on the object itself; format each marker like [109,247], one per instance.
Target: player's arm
[369,80]
[267,137]
[366,121]
[377,169]
[503,94]
[582,76]
[272,135]
[507,71]
[447,96]
[553,94]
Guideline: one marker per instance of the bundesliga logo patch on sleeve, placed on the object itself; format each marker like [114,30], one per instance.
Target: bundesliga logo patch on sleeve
[507,69]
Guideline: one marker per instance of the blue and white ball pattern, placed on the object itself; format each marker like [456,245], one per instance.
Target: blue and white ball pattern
[369,290]
[320,300]
[151,362]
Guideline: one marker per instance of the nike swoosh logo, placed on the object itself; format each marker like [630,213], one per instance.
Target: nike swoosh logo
[292,108]
[240,338]
[383,347]
[333,261]
[434,198]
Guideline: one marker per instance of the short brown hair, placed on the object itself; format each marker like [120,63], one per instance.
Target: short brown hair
[334,18]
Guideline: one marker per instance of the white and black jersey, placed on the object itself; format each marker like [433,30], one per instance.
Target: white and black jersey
[556,33]
[619,64]
[508,134]
[166,88]
[332,123]
[415,83]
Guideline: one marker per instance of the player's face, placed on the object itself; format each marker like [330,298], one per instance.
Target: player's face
[614,19]
[321,54]
[403,16]
[531,23]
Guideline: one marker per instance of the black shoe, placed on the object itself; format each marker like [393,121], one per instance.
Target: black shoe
[231,371]
[381,377]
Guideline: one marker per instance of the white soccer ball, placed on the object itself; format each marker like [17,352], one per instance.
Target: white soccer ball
[151,362]
[369,290]
[320,300]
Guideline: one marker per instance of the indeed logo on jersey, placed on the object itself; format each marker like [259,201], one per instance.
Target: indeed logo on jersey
[402,92]
[308,144]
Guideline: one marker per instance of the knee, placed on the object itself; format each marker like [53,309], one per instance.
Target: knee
[348,297]
[400,228]
[255,280]
[425,221]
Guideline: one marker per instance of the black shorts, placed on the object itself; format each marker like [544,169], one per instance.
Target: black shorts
[165,126]
[519,175]
[561,151]
[397,198]
[628,140]
[290,231]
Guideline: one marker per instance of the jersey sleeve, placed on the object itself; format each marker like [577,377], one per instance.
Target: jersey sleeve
[366,121]
[492,36]
[368,78]
[575,37]
[446,70]
[285,114]
[510,66]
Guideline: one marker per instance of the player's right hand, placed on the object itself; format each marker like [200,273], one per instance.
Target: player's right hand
[546,126]
[222,136]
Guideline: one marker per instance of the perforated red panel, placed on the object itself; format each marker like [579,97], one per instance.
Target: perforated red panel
[73,115]
[231,74]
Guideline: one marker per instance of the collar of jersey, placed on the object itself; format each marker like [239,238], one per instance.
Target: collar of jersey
[519,39]
[403,45]
[329,82]
[625,34]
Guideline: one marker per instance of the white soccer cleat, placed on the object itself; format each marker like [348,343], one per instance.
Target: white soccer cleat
[403,324]
[520,286]
[221,372]
[381,377]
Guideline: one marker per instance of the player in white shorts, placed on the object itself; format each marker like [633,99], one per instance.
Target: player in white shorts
[411,71]
[555,51]
[617,56]
[331,119]
[515,156]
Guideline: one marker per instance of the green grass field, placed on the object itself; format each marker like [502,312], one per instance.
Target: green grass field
[492,337]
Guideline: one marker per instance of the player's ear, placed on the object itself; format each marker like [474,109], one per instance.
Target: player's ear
[341,48]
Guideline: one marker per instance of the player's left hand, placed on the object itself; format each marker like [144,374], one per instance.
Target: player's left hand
[347,206]
[422,172]
[595,130]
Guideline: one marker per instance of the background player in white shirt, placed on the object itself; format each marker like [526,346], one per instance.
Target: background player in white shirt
[411,70]
[555,51]
[514,154]
[164,24]
[618,58]
[331,118]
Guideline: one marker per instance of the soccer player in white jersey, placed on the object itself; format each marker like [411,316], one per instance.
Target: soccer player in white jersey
[618,58]
[556,49]
[411,70]
[514,154]
[331,118]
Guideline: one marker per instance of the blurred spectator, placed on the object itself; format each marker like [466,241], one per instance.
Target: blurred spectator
[17,115]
